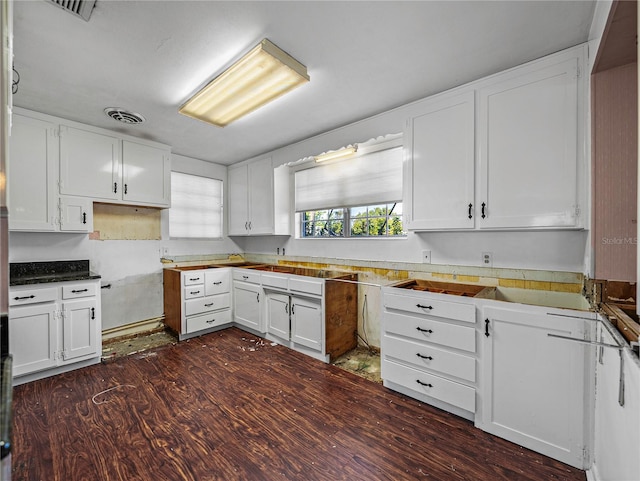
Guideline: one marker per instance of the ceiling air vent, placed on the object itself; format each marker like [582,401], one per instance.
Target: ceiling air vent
[81,8]
[124,116]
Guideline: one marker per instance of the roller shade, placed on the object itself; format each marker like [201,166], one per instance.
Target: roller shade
[368,179]
[196,207]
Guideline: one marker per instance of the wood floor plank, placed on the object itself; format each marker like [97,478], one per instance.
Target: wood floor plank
[230,406]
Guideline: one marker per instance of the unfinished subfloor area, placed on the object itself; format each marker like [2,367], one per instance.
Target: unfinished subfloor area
[227,407]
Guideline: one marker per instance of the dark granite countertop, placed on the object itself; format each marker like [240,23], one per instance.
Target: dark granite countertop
[25,273]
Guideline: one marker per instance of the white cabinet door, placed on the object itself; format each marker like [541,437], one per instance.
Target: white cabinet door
[439,172]
[307,322]
[76,214]
[529,148]
[261,197]
[32,175]
[146,174]
[89,164]
[533,387]
[278,321]
[246,305]
[238,200]
[33,338]
[79,335]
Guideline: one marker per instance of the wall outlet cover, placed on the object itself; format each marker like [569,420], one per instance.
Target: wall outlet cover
[426,257]
[487,259]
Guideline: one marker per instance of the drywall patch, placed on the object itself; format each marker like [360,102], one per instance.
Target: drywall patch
[128,300]
[125,222]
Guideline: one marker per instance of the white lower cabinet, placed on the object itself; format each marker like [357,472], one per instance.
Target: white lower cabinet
[248,299]
[295,319]
[429,349]
[54,327]
[535,388]
[197,300]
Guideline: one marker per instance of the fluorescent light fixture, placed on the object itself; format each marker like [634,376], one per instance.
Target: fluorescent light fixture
[337,154]
[263,74]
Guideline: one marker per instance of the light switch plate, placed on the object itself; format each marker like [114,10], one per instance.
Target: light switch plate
[426,257]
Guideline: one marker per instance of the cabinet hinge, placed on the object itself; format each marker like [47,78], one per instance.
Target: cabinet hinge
[585,455]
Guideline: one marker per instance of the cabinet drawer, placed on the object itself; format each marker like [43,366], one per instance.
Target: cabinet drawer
[437,332]
[216,281]
[205,304]
[79,290]
[280,281]
[430,357]
[192,277]
[191,292]
[207,321]
[309,286]
[32,296]
[437,387]
[431,307]
[246,275]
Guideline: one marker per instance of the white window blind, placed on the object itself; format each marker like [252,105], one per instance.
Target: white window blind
[196,207]
[367,179]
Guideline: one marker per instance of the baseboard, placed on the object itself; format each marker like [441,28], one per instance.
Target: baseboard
[592,473]
[129,330]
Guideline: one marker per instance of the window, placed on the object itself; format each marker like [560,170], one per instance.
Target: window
[356,197]
[196,207]
[381,220]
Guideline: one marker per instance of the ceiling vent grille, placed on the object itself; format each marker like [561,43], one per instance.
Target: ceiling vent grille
[124,116]
[81,8]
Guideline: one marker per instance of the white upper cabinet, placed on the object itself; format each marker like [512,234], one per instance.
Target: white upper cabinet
[439,173]
[32,174]
[504,152]
[258,199]
[146,174]
[529,138]
[89,164]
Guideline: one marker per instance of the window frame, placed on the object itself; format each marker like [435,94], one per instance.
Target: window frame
[346,218]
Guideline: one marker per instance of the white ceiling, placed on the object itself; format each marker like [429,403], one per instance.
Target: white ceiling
[364,57]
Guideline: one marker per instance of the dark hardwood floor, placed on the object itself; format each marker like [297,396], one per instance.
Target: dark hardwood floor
[225,407]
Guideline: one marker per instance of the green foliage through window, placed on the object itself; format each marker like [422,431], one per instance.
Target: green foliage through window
[381,220]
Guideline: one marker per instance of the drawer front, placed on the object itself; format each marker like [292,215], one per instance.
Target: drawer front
[430,357]
[216,281]
[79,290]
[279,281]
[437,332]
[192,277]
[437,387]
[431,307]
[207,321]
[191,292]
[309,286]
[32,296]
[246,275]
[205,304]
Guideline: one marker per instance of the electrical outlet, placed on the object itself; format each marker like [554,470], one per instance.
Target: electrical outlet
[164,251]
[487,259]
[426,257]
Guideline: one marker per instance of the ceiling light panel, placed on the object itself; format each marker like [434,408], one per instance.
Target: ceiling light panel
[262,75]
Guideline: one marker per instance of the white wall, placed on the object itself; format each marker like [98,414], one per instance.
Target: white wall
[131,267]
